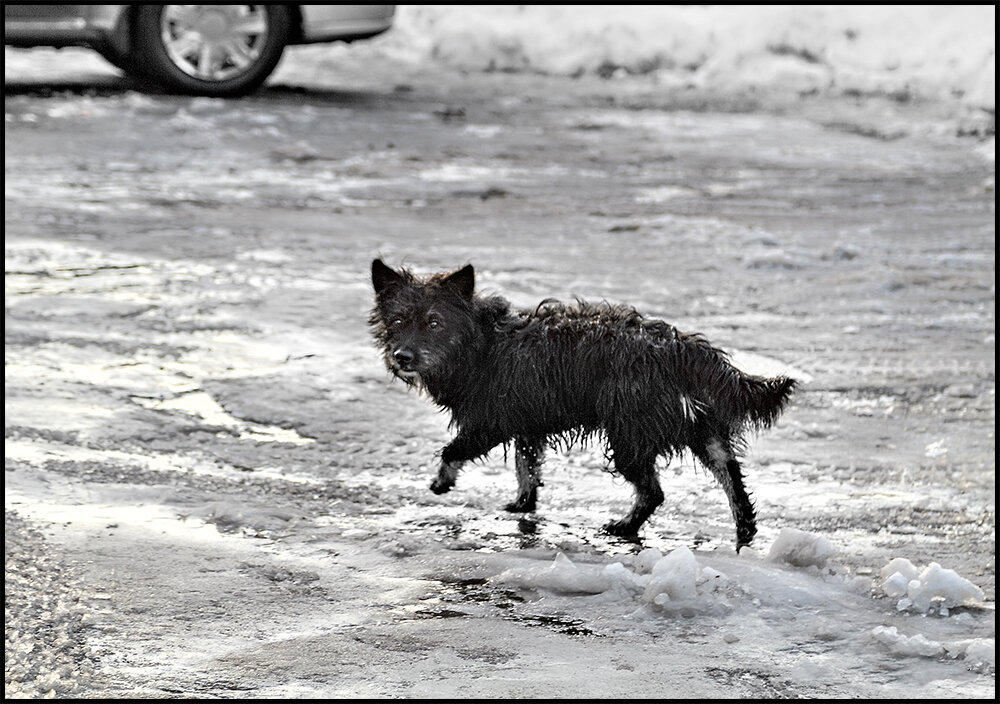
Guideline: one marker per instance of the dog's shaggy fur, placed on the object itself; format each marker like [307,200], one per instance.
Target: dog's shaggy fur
[563,373]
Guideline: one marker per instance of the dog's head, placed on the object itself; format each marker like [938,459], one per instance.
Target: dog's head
[423,326]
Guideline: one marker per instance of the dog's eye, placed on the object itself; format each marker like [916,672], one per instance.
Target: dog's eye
[396,322]
[434,323]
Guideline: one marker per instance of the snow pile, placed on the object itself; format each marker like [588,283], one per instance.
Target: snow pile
[935,52]
[678,579]
[800,549]
[903,51]
[979,653]
[795,582]
[564,576]
[674,583]
[932,588]
[677,582]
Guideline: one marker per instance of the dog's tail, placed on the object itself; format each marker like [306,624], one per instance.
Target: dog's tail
[763,398]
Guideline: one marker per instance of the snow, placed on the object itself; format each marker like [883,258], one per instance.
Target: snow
[930,51]
[932,587]
[796,547]
[927,52]
[794,582]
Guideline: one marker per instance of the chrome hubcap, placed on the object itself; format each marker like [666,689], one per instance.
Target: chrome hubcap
[213,42]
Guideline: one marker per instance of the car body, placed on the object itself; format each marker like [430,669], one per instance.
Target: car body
[218,50]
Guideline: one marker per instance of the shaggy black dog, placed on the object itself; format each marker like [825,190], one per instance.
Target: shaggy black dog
[563,373]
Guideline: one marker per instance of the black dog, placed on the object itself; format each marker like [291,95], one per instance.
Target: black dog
[564,373]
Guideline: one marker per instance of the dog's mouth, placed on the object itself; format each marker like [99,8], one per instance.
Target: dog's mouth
[407,374]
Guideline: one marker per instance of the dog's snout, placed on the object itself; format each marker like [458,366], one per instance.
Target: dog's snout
[404,357]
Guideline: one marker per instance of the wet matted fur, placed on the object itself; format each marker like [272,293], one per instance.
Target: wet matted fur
[562,373]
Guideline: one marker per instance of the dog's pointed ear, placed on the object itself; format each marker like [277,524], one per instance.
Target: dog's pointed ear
[383,276]
[464,280]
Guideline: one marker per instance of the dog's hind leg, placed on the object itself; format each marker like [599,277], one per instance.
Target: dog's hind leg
[717,454]
[640,471]
[528,453]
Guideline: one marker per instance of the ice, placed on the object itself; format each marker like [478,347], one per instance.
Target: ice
[566,577]
[931,588]
[796,547]
[977,652]
[674,578]
[680,576]
[982,651]
[907,645]
[798,582]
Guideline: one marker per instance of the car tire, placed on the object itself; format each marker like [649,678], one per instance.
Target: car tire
[128,63]
[213,50]
[118,60]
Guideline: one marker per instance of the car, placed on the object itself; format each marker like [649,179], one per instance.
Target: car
[213,50]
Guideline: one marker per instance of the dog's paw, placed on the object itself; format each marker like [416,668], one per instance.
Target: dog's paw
[524,503]
[441,487]
[743,539]
[622,529]
[745,532]
[520,505]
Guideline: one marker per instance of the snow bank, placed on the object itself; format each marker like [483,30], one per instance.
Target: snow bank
[926,51]
[934,52]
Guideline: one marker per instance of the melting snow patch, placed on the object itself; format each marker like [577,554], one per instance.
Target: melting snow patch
[566,577]
[797,576]
[801,549]
[678,584]
[935,449]
[928,589]
[979,653]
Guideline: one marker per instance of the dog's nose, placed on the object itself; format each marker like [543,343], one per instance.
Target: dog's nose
[403,357]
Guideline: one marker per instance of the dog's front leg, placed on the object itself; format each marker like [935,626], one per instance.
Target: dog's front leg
[446,476]
[466,446]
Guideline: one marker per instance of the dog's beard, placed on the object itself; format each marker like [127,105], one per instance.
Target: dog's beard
[410,376]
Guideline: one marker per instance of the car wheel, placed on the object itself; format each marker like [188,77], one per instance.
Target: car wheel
[128,63]
[116,59]
[216,50]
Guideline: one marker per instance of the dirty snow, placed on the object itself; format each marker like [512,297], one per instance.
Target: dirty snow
[933,51]
[943,54]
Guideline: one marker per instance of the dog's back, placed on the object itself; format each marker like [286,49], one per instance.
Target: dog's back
[596,367]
